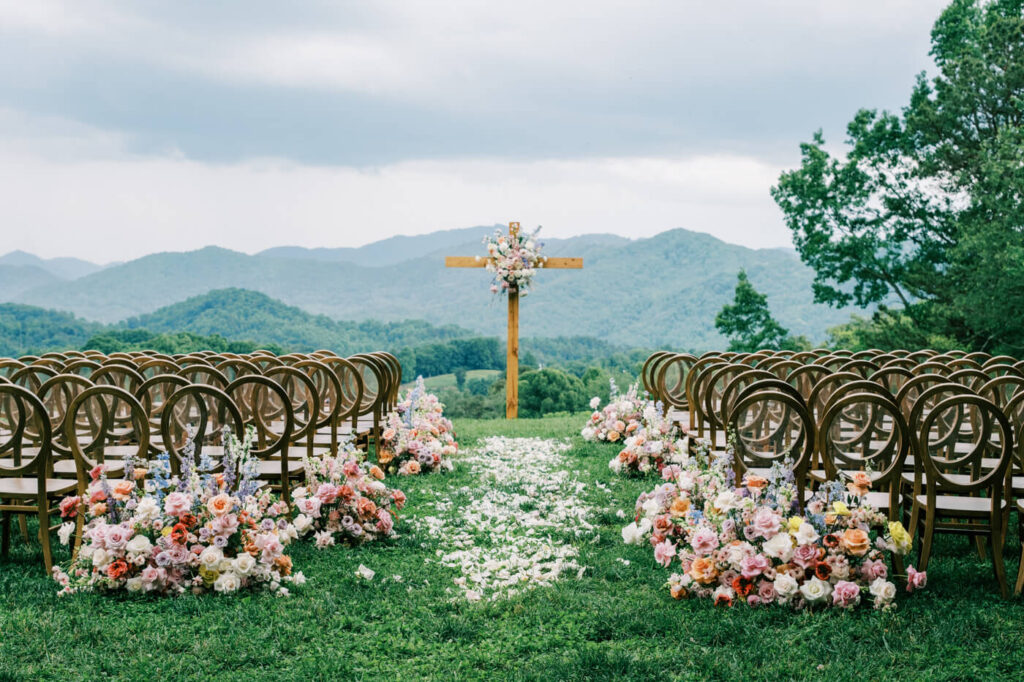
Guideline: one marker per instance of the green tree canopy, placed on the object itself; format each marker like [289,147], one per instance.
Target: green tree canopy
[747,321]
[925,208]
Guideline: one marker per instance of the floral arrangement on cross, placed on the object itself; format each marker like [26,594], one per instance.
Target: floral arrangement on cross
[161,534]
[749,544]
[513,260]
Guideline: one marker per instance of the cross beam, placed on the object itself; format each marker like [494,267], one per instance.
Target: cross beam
[512,355]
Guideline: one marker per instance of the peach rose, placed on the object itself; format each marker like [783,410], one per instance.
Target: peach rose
[139,473]
[377,472]
[680,506]
[221,504]
[123,490]
[284,564]
[859,483]
[855,541]
[754,482]
[413,467]
[385,456]
[703,570]
[613,436]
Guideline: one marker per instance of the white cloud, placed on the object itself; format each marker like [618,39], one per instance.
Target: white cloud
[118,207]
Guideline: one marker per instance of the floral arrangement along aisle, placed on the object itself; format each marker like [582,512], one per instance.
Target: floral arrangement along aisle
[748,543]
[153,533]
[649,440]
[418,438]
[345,500]
[513,260]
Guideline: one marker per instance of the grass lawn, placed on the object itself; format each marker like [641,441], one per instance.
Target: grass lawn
[617,622]
[440,381]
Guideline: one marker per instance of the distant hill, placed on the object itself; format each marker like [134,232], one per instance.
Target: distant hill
[249,315]
[61,268]
[653,292]
[26,329]
[15,280]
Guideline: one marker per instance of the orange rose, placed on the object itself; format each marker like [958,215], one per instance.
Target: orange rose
[123,490]
[385,456]
[613,436]
[680,506]
[755,482]
[221,504]
[413,467]
[377,472]
[139,473]
[179,533]
[366,507]
[855,541]
[98,509]
[859,483]
[284,564]
[251,549]
[623,456]
[117,569]
[678,592]
[703,570]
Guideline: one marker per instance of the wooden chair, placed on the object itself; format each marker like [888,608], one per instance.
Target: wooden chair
[265,405]
[967,490]
[27,486]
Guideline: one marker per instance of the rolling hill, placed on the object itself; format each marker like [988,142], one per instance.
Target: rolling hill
[664,290]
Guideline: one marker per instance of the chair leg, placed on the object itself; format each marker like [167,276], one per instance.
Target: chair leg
[996,542]
[1020,575]
[5,532]
[23,526]
[44,536]
[926,545]
[979,543]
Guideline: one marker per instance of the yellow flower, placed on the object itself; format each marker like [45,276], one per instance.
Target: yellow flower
[900,537]
[840,508]
[166,530]
[209,576]
[794,523]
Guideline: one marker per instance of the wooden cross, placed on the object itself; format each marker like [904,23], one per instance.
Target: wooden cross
[512,357]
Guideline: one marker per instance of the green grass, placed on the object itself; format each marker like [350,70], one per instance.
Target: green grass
[448,380]
[617,622]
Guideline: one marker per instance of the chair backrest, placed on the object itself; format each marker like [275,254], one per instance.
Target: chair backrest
[966,443]
[198,413]
[102,408]
[770,427]
[20,410]
[264,404]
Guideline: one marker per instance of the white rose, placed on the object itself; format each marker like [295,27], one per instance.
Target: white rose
[227,582]
[134,584]
[594,402]
[882,590]
[779,547]
[211,557]
[785,585]
[656,446]
[652,507]
[725,501]
[631,535]
[244,564]
[615,465]
[805,534]
[139,545]
[100,557]
[303,523]
[815,590]
[147,509]
[644,466]
[64,532]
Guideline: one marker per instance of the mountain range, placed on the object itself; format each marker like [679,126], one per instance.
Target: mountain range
[659,291]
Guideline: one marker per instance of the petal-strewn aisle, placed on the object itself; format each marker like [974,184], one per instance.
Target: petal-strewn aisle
[513,529]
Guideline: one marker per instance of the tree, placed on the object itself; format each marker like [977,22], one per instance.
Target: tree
[545,391]
[747,321]
[924,212]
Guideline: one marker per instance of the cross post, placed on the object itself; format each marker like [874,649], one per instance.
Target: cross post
[512,354]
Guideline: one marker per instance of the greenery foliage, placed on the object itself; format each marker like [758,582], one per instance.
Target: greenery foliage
[927,206]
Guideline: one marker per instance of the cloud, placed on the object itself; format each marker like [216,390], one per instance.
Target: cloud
[118,206]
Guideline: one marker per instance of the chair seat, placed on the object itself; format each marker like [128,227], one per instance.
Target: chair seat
[271,468]
[959,505]
[29,487]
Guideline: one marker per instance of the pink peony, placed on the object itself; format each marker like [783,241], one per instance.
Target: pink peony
[871,570]
[806,556]
[704,541]
[845,594]
[753,566]
[663,553]
[766,523]
[177,504]
[916,579]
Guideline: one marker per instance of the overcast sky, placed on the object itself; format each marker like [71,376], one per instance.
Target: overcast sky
[141,126]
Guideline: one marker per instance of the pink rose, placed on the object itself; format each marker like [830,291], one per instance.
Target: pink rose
[806,556]
[384,521]
[97,471]
[117,537]
[671,472]
[753,600]
[309,506]
[177,504]
[224,525]
[871,570]
[845,594]
[753,566]
[351,469]
[766,523]
[916,579]
[663,553]
[766,591]
[704,541]
[327,493]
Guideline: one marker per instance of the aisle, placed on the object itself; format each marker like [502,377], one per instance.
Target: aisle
[512,529]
